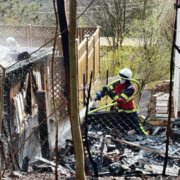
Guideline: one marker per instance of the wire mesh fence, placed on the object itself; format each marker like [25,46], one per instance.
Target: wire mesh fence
[112,116]
[132,142]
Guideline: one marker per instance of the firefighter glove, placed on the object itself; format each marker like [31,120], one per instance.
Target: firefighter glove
[98,96]
[111,94]
[104,91]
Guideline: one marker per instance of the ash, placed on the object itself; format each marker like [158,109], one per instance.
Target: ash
[119,160]
[116,159]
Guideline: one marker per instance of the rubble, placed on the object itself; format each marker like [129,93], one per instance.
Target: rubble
[119,156]
[133,154]
[61,169]
[25,164]
[43,168]
[15,174]
[116,169]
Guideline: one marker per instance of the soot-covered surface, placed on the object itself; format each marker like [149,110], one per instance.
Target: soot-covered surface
[10,56]
[120,159]
[117,160]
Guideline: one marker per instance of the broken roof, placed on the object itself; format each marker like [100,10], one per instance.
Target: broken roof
[9,56]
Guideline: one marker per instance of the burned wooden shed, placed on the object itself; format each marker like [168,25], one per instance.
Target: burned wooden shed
[28,122]
[27,103]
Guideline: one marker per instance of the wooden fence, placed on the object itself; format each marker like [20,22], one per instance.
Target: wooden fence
[81,32]
[36,36]
[88,40]
[88,58]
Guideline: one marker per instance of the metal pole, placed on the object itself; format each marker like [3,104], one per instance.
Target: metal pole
[170,94]
[107,75]
[65,45]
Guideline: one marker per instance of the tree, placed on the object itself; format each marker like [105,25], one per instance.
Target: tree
[16,12]
[167,25]
[20,12]
[116,17]
[150,59]
[148,54]
[112,18]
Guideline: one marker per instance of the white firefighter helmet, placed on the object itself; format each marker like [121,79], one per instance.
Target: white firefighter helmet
[125,73]
[11,42]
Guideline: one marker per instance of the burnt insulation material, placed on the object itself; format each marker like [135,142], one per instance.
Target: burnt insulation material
[18,57]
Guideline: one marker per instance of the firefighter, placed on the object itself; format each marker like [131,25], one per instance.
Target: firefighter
[122,92]
[11,42]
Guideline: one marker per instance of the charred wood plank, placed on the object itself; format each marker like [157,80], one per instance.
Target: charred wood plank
[146,149]
[42,114]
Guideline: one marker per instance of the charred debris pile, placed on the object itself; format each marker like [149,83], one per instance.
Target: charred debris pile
[115,155]
[130,156]
[134,155]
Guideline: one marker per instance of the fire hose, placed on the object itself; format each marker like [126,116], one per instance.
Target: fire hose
[112,104]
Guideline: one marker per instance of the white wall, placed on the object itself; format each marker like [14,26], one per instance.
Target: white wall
[177,70]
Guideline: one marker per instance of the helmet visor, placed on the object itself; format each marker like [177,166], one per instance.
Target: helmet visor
[123,76]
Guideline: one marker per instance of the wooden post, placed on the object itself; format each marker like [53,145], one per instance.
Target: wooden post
[87,53]
[7,116]
[76,51]
[77,58]
[94,59]
[1,110]
[84,95]
[65,46]
[80,34]
[47,88]
[65,8]
[32,91]
[43,72]
[98,27]
[30,34]
[42,114]
[107,75]
[75,123]
[170,92]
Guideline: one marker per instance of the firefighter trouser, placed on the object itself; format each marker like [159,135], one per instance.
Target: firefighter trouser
[129,121]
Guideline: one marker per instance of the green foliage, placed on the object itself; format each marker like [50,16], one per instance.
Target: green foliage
[15,12]
[81,22]
[112,19]
[149,56]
